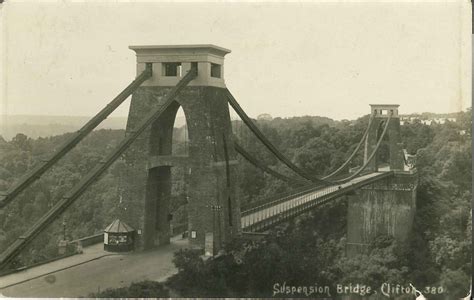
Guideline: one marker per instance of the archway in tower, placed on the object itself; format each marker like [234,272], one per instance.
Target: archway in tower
[180,135]
[166,194]
[383,154]
[180,172]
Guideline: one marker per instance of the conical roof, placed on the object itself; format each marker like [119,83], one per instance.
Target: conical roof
[118,226]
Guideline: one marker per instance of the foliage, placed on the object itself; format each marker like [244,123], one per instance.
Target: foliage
[89,215]
[385,261]
[303,252]
[437,253]
[316,144]
[441,245]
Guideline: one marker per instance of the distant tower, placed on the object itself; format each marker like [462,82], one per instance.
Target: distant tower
[380,113]
[385,207]
[213,209]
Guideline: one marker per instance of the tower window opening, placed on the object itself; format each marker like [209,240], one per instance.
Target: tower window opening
[215,70]
[180,138]
[194,65]
[172,69]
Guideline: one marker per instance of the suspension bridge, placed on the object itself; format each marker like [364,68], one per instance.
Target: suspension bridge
[381,200]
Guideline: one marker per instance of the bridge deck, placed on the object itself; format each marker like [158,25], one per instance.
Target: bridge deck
[263,216]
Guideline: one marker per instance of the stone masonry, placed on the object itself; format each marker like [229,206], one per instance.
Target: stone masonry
[388,206]
[213,208]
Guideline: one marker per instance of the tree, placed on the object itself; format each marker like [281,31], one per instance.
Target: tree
[22,142]
[315,156]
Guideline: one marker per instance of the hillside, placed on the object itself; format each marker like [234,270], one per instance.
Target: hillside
[35,126]
[437,253]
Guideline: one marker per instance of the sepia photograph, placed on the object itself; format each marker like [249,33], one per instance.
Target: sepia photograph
[236,149]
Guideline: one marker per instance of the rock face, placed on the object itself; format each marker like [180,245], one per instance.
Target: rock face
[213,207]
[386,207]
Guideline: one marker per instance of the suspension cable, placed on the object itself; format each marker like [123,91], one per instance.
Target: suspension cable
[26,238]
[372,155]
[264,168]
[311,188]
[244,117]
[364,136]
[46,164]
[325,180]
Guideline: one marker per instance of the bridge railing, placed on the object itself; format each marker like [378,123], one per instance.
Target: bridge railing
[88,240]
[264,216]
[324,191]
[251,205]
[283,210]
[269,201]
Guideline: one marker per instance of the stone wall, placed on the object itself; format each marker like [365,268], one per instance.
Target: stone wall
[385,207]
[148,192]
[393,133]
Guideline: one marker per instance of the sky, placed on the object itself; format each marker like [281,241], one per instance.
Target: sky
[288,59]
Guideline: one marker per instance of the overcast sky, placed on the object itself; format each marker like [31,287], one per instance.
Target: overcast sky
[294,59]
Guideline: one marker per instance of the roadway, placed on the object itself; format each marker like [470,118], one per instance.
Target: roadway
[267,212]
[111,271]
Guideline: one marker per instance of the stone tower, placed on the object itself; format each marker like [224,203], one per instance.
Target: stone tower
[380,113]
[212,205]
[386,207]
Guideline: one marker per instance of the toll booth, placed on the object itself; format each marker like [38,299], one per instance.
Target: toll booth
[119,237]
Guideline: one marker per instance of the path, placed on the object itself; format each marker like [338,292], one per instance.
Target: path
[111,271]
